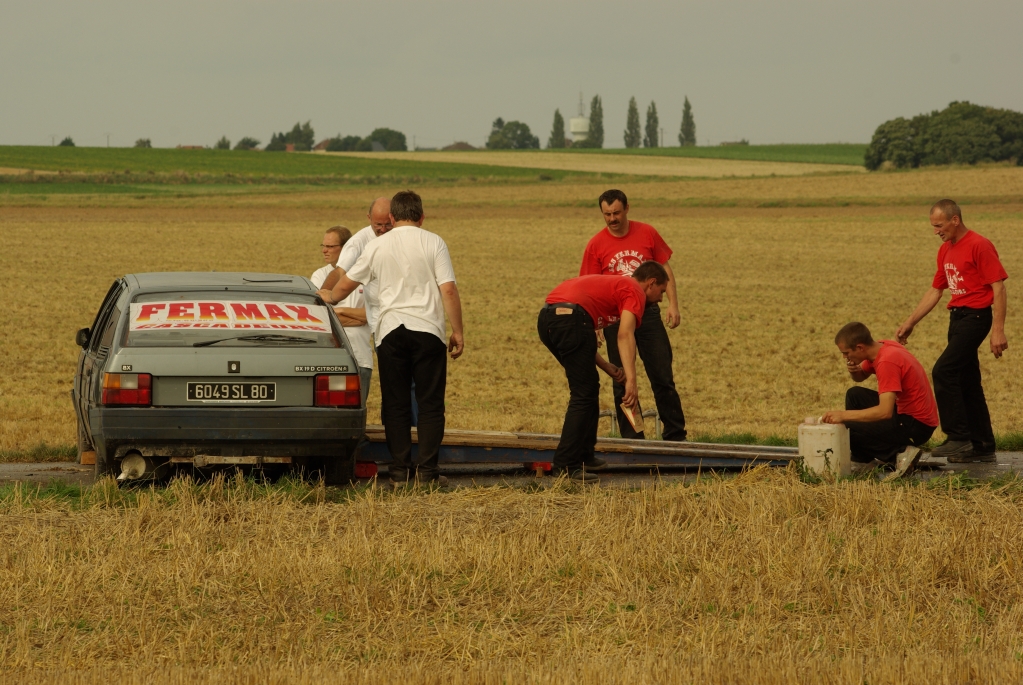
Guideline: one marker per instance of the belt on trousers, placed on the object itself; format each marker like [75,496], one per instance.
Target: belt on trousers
[969,309]
[571,305]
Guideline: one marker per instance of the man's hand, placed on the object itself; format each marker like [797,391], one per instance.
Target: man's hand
[456,345]
[326,295]
[833,417]
[615,372]
[673,318]
[999,344]
[631,397]
[600,338]
[902,335]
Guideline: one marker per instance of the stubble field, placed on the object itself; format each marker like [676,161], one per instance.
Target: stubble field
[764,284]
[761,577]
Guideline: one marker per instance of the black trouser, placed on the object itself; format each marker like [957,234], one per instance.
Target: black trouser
[881,439]
[570,339]
[405,356]
[956,374]
[655,350]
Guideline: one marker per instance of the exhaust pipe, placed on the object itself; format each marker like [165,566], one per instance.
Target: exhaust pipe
[134,466]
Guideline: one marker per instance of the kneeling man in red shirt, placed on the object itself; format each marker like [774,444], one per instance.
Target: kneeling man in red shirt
[888,425]
[574,310]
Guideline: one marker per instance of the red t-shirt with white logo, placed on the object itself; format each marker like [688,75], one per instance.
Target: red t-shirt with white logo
[898,371]
[968,269]
[608,254]
[603,297]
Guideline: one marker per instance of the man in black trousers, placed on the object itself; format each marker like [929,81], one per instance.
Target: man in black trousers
[566,324]
[415,287]
[968,265]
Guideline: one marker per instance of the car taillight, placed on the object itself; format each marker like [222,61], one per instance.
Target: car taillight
[128,388]
[337,391]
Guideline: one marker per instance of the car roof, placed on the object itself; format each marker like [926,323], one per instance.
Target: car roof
[241,280]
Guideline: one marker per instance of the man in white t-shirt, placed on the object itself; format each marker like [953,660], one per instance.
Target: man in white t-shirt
[415,289]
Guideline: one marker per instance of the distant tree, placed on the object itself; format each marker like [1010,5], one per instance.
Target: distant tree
[143,142]
[223,144]
[687,134]
[67,142]
[557,139]
[278,143]
[652,124]
[962,133]
[595,137]
[392,140]
[302,137]
[513,135]
[345,144]
[246,143]
[632,125]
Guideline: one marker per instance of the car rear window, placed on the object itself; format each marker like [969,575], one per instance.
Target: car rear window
[228,319]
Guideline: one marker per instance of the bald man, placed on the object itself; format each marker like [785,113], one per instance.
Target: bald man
[379,216]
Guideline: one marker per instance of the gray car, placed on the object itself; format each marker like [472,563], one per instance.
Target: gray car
[213,370]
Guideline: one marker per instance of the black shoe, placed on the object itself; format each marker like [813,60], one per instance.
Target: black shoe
[972,457]
[595,463]
[582,476]
[954,449]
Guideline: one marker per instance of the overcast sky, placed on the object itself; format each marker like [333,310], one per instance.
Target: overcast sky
[189,71]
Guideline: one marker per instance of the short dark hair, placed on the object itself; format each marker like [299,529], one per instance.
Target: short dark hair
[609,196]
[407,206]
[651,269]
[853,334]
[949,208]
[342,233]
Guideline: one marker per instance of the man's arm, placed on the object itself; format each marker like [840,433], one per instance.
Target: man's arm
[673,317]
[332,278]
[615,372]
[351,317]
[453,309]
[856,372]
[999,343]
[342,289]
[930,299]
[627,352]
[881,412]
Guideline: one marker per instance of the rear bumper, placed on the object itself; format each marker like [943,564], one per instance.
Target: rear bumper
[291,431]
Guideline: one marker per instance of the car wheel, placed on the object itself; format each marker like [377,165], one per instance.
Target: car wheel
[339,470]
[86,453]
[104,464]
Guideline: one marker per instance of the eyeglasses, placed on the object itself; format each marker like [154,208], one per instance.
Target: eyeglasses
[329,247]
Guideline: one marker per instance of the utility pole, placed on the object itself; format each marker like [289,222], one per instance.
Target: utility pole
[53,140]
[413,142]
[662,141]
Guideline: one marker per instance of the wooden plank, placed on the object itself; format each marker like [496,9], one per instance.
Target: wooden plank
[467,447]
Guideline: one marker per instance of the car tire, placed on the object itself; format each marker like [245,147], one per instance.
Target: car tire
[104,464]
[84,446]
[339,470]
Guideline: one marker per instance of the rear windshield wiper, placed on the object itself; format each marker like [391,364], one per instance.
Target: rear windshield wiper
[283,339]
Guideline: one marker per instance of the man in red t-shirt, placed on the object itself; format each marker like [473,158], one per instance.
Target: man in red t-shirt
[618,250]
[888,425]
[969,267]
[566,324]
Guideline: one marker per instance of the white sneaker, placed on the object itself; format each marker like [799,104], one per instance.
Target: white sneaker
[904,462]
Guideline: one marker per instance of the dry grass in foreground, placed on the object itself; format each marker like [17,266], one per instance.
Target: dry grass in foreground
[761,577]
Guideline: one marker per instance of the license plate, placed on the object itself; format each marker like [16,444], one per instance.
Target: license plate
[232,392]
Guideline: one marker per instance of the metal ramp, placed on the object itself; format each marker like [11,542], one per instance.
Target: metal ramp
[536,450]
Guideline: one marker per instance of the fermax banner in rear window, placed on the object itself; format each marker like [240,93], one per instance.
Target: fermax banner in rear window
[228,315]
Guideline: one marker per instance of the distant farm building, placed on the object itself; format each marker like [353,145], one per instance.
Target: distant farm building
[322,145]
[460,145]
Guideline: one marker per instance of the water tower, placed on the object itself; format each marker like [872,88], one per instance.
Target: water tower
[579,126]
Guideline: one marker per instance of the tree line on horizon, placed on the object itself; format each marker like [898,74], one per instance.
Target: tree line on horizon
[962,133]
[515,135]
